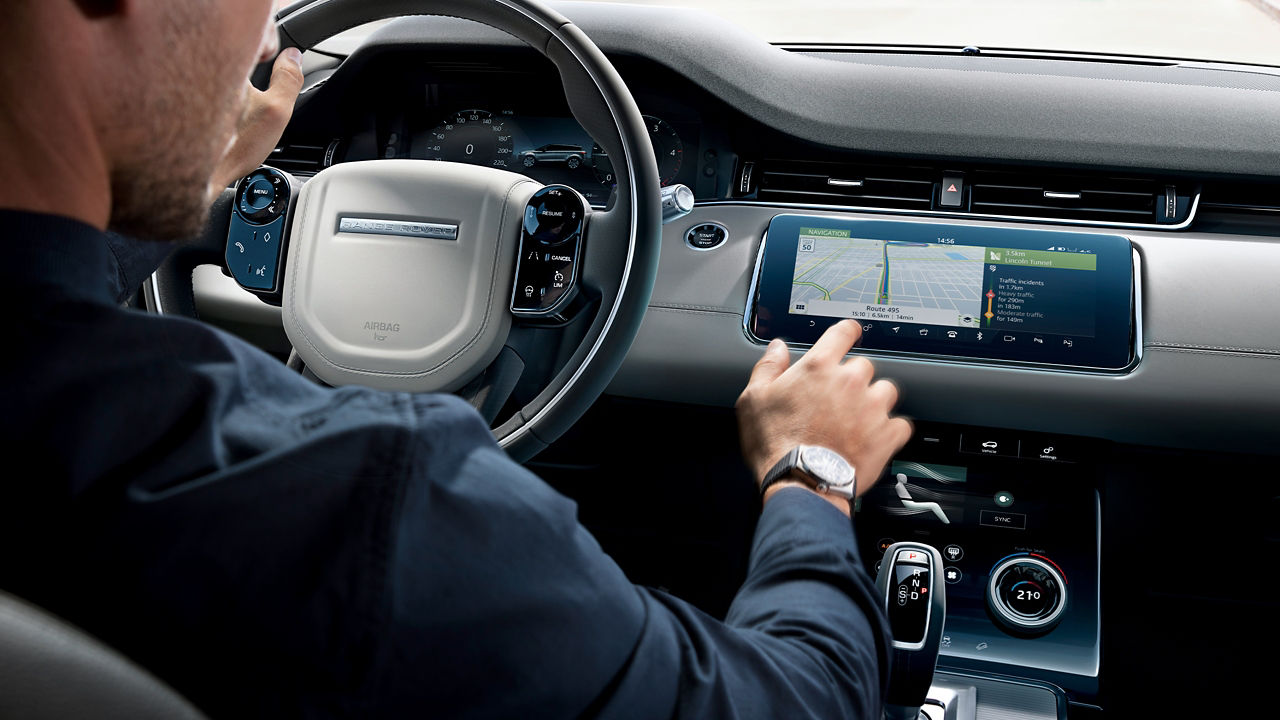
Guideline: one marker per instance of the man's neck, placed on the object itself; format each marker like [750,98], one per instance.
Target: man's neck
[53,161]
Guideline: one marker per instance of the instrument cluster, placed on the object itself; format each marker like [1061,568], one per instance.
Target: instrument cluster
[551,150]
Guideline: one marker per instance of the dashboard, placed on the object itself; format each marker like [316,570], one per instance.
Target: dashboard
[1066,263]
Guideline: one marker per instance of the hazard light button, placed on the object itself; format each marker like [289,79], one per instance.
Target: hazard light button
[952,191]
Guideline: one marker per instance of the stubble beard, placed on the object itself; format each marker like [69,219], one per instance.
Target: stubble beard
[185,115]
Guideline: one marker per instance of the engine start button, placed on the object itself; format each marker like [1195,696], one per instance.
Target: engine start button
[707,236]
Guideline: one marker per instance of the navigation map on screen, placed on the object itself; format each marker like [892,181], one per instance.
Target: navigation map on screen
[840,275]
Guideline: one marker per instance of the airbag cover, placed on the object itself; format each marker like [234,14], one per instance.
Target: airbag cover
[412,312]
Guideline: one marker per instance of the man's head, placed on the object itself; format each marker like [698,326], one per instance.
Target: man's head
[153,92]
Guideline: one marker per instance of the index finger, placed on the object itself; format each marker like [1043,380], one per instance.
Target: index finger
[835,343]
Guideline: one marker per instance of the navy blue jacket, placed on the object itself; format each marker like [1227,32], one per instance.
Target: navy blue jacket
[274,548]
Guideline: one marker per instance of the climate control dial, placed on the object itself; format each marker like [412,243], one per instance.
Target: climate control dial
[1027,594]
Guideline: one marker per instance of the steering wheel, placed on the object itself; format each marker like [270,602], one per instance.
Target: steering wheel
[430,315]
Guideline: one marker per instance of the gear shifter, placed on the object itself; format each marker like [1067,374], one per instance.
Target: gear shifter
[910,581]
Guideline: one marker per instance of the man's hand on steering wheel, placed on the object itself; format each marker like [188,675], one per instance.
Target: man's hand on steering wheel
[265,116]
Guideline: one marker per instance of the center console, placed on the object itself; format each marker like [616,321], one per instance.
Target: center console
[1016,519]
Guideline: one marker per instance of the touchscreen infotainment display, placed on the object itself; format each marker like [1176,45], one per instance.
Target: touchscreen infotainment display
[1033,296]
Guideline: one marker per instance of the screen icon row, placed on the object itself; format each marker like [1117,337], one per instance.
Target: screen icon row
[968,335]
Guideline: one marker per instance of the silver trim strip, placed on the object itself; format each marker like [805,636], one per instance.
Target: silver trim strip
[151,294]
[1191,216]
[1097,584]
[400,228]
[1135,306]
[844,183]
[1062,195]
[952,50]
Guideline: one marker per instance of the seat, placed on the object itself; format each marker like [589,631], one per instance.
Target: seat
[49,669]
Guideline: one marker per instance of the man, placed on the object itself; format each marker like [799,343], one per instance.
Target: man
[274,548]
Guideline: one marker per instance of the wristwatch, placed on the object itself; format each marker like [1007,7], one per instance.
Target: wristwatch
[820,468]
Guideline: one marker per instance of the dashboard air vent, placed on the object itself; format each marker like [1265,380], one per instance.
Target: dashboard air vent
[1239,197]
[1080,198]
[853,185]
[303,160]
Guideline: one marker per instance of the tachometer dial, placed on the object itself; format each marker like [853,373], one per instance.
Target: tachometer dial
[477,137]
[667,146]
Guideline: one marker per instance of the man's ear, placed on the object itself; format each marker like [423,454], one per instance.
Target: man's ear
[95,9]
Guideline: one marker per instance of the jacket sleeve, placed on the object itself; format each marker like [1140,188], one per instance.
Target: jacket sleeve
[502,605]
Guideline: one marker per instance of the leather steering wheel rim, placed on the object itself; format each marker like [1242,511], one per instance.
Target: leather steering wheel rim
[601,103]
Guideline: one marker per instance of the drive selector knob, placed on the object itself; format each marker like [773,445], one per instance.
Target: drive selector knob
[1027,594]
[910,585]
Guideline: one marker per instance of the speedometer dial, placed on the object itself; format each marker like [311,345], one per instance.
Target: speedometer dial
[477,137]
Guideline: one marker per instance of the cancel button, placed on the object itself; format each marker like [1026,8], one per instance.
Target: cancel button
[1000,518]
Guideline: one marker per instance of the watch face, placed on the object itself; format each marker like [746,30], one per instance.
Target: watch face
[827,466]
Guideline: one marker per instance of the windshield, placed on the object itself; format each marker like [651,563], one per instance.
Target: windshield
[1244,31]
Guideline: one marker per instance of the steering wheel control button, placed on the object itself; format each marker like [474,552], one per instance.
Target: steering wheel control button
[256,236]
[551,239]
[554,215]
[952,575]
[989,443]
[259,194]
[262,196]
[992,518]
[1026,595]
[953,553]
[1004,498]
[708,236]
